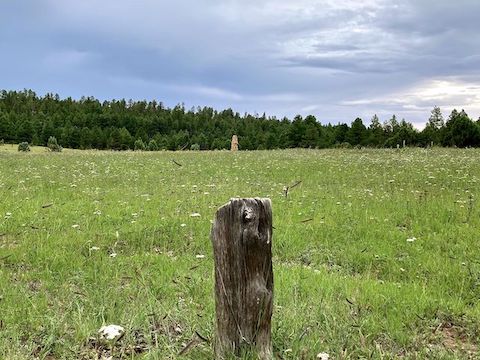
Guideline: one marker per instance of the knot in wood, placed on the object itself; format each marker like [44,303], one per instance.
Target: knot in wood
[248,214]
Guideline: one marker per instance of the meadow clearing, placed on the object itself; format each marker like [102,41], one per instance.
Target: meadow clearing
[375,251]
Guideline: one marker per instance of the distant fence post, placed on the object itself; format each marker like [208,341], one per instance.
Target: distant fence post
[234,144]
[242,245]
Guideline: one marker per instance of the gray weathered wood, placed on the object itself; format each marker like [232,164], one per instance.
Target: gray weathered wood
[242,245]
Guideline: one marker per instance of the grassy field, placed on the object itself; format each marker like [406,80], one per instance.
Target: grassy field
[375,252]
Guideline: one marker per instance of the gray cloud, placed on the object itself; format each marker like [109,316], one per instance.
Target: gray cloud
[336,59]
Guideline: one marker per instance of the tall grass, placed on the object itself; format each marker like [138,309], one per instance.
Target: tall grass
[375,251]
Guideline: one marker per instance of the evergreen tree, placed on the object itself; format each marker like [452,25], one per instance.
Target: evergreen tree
[152,145]
[139,145]
[87,123]
[340,133]
[5,128]
[433,129]
[48,130]
[25,131]
[124,139]
[297,132]
[23,146]
[311,133]
[376,134]
[435,121]
[460,131]
[52,144]
[357,134]
[406,132]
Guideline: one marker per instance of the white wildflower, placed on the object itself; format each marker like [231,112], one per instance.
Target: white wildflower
[177,329]
[412,239]
[195,215]
[323,356]
[200,256]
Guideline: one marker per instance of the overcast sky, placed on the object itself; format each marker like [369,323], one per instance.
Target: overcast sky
[335,59]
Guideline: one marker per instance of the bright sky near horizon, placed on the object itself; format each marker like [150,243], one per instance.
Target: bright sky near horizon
[335,59]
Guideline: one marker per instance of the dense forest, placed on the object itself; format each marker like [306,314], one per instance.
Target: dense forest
[121,125]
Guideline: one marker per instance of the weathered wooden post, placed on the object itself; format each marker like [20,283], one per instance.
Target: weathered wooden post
[234,144]
[242,245]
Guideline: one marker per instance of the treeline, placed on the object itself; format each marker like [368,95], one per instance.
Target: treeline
[121,125]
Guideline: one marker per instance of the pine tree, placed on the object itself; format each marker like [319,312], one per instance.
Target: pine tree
[152,145]
[139,145]
[52,144]
[436,118]
[23,146]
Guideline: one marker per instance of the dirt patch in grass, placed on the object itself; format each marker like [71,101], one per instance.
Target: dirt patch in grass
[455,339]
[139,341]
[95,348]
[8,241]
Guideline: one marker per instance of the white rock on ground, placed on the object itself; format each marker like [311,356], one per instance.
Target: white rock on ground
[111,332]
[323,356]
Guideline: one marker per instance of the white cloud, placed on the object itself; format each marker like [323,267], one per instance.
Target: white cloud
[419,99]
[208,91]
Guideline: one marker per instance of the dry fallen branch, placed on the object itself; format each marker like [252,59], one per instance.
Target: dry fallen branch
[191,344]
[197,339]
[286,189]
[5,257]
[201,337]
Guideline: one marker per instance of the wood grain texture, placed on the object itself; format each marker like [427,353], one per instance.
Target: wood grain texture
[242,243]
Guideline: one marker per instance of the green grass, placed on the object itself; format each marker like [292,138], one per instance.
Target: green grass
[347,281]
[13,148]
